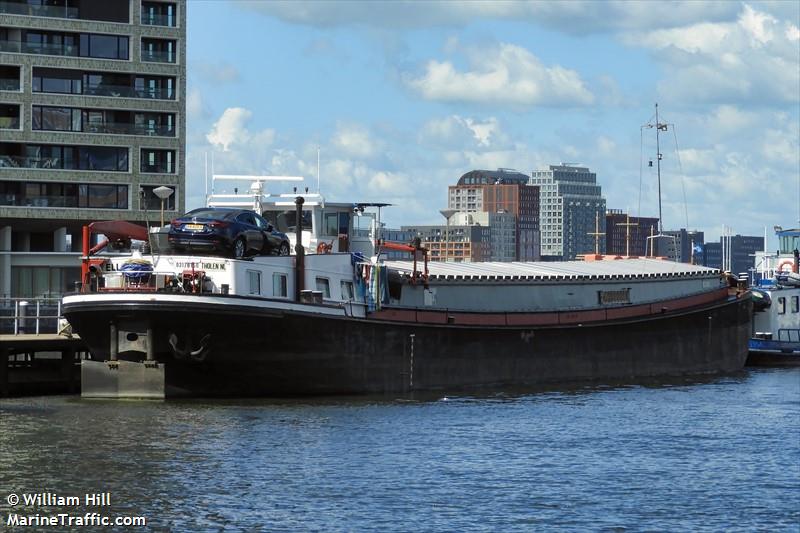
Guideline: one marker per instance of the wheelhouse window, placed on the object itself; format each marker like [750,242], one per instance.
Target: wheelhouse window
[795,304]
[347,290]
[279,285]
[337,223]
[324,286]
[286,220]
[781,305]
[253,282]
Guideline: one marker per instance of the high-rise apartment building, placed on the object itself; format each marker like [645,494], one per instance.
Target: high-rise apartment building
[571,209]
[621,238]
[455,242]
[502,191]
[92,120]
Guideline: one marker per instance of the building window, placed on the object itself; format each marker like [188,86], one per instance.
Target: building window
[279,286]
[324,286]
[149,201]
[158,161]
[39,281]
[71,195]
[159,50]
[104,46]
[55,118]
[9,117]
[159,14]
[253,282]
[103,158]
[9,78]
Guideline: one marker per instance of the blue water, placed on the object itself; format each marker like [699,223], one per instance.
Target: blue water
[721,454]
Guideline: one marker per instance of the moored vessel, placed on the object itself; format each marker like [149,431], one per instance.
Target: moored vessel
[775,338]
[347,321]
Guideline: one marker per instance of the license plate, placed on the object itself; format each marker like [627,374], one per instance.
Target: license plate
[194,227]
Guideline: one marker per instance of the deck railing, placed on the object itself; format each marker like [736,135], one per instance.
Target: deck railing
[29,315]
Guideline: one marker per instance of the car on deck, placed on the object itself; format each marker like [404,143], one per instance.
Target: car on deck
[236,233]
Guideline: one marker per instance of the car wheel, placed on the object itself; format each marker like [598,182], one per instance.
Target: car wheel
[239,248]
[284,248]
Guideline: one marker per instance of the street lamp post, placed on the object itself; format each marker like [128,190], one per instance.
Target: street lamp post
[163,193]
[447,213]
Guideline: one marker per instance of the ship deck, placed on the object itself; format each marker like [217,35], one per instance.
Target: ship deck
[640,268]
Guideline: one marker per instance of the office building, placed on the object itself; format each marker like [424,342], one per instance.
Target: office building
[505,192]
[733,253]
[92,100]
[571,208]
[621,239]
[681,245]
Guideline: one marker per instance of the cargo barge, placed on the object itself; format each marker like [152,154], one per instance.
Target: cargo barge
[348,321]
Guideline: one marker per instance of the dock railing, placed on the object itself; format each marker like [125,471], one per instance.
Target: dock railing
[29,316]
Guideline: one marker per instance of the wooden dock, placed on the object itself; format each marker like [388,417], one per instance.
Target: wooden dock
[40,364]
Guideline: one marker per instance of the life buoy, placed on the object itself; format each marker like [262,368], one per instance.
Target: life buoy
[324,248]
[788,262]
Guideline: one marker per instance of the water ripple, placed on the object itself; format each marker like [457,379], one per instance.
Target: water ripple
[700,455]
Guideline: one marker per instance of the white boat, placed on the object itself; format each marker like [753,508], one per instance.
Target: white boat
[775,338]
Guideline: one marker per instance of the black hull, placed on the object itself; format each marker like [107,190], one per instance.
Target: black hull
[773,358]
[272,353]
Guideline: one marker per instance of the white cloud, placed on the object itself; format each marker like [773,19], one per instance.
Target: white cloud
[219,72]
[355,140]
[195,105]
[577,17]
[231,129]
[501,75]
[456,131]
[755,58]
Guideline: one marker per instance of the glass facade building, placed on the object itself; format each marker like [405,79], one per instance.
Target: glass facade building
[92,120]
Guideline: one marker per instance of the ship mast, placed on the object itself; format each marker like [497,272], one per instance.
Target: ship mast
[596,233]
[627,225]
[659,126]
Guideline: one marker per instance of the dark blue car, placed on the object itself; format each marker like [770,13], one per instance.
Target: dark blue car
[234,232]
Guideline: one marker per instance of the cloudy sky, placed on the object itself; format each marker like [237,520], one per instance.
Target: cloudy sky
[402,98]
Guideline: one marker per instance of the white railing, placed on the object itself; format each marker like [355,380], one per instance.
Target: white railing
[33,316]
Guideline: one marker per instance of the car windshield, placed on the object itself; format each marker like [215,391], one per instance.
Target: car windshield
[207,213]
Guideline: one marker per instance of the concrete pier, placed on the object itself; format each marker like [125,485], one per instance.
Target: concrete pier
[40,364]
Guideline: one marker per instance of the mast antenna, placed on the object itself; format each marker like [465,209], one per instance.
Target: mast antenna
[659,126]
